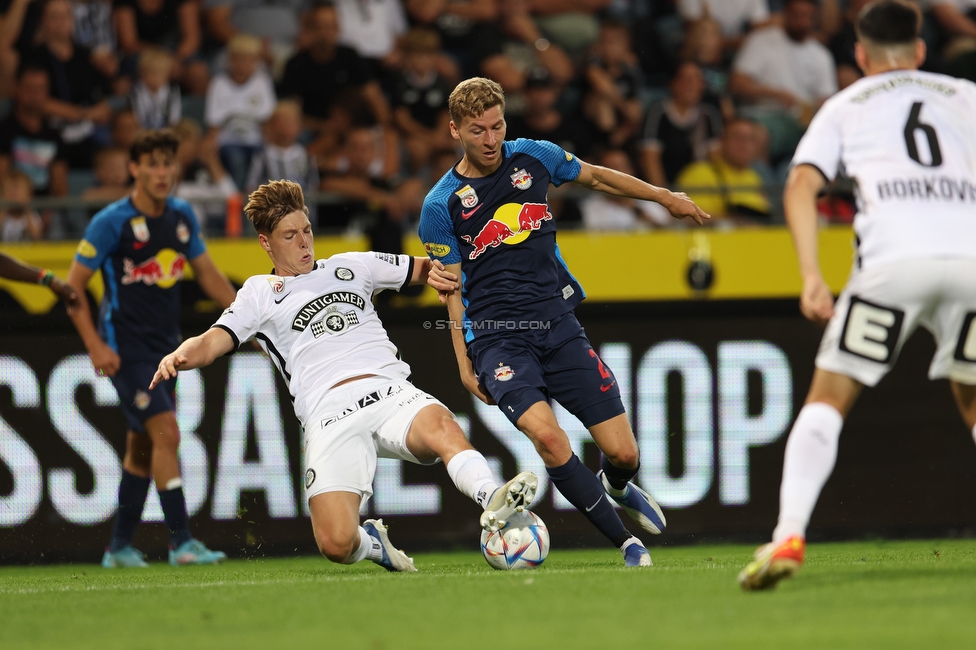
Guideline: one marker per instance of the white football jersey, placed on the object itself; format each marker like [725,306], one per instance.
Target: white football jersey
[908,139]
[321,328]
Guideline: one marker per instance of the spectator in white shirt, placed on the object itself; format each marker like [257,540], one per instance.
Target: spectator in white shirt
[238,103]
[282,157]
[155,100]
[782,75]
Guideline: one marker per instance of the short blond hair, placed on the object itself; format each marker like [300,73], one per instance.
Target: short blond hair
[245,44]
[472,97]
[272,202]
[155,58]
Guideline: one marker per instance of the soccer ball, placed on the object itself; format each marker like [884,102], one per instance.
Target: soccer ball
[522,544]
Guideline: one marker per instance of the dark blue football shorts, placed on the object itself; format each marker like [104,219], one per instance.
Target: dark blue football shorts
[520,368]
[138,402]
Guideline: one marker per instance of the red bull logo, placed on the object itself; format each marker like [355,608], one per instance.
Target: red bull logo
[164,269]
[512,224]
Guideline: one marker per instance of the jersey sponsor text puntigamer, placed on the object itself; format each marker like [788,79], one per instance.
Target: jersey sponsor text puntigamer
[320,328]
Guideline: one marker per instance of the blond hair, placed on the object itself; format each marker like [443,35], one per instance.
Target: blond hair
[244,44]
[155,58]
[472,97]
[272,202]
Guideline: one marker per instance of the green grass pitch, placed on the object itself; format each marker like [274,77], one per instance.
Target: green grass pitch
[914,594]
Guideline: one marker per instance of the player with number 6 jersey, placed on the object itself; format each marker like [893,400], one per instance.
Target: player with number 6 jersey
[908,139]
[316,321]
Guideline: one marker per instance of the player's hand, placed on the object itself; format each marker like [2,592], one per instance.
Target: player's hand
[680,206]
[440,279]
[816,301]
[66,293]
[168,368]
[105,360]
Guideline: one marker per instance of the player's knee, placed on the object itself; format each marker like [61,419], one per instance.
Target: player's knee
[337,547]
[550,441]
[627,457]
[168,439]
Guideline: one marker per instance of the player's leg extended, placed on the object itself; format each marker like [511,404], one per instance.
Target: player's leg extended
[133,488]
[335,524]
[434,433]
[811,451]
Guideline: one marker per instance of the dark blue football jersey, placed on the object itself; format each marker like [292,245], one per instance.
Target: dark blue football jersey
[501,231]
[142,260]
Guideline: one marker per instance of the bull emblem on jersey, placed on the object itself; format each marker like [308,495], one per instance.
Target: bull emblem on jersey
[521,179]
[502,227]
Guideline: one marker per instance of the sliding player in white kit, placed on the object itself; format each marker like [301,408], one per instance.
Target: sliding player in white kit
[316,321]
[908,138]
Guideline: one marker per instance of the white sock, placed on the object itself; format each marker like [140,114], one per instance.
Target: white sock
[369,549]
[811,451]
[471,475]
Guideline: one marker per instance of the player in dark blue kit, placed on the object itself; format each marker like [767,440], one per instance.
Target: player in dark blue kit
[141,245]
[487,221]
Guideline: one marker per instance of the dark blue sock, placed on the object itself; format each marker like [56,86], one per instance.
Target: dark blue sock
[132,498]
[617,477]
[174,512]
[585,491]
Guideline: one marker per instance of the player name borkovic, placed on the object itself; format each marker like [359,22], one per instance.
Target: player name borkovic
[939,188]
[313,307]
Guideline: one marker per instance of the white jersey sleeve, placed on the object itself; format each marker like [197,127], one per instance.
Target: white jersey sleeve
[243,318]
[386,270]
[821,144]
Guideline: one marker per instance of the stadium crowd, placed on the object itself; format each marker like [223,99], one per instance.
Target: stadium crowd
[349,98]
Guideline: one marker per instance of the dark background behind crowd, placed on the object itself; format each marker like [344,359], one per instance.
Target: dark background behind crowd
[349,98]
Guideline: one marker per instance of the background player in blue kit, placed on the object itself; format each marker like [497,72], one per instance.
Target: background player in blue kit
[141,245]
[487,221]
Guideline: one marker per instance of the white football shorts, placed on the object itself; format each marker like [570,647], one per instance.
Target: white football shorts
[354,425]
[881,307]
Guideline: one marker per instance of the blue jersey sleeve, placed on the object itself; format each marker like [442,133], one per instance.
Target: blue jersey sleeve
[101,240]
[197,247]
[437,229]
[563,166]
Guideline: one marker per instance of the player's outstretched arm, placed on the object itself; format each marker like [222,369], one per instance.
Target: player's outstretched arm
[421,269]
[13,269]
[610,181]
[195,352]
[800,203]
[213,282]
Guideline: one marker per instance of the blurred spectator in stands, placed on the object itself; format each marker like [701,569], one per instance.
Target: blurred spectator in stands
[204,183]
[841,45]
[955,18]
[19,21]
[735,17]
[27,143]
[275,22]
[703,45]
[468,29]
[372,27]
[541,121]
[112,180]
[282,157]
[78,90]
[420,99]
[679,130]
[572,24]
[170,24]
[726,186]
[95,29]
[523,48]
[18,222]
[194,84]
[238,103]
[613,79]
[605,212]
[380,203]
[155,99]
[783,75]
[124,127]
[325,71]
